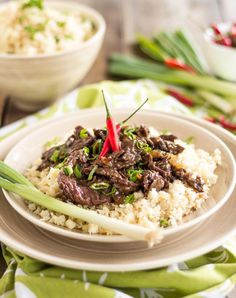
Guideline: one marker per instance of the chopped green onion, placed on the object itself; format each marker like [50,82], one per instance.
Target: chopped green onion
[32,3]
[90,176]
[61,24]
[86,150]
[189,140]
[133,174]
[164,223]
[97,147]
[112,192]
[55,156]
[77,172]
[68,171]
[83,133]
[100,185]
[143,146]
[129,199]
[129,132]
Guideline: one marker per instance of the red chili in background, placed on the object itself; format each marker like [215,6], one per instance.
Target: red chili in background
[111,129]
[173,63]
[227,124]
[216,29]
[180,97]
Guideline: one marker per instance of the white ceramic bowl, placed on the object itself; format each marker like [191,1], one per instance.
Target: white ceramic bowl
[221,59]
[34,82]
[29,149]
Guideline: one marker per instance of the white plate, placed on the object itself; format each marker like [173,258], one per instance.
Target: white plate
[32,241]
[30,148]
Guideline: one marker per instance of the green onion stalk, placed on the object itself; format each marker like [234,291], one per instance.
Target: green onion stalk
[12,181]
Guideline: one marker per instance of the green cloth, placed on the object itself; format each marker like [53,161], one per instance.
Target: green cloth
[211,275]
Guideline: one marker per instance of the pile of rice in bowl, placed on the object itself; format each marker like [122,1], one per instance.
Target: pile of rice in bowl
[28,27]
[151,207]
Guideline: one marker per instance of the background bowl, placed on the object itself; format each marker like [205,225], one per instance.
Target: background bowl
[221,59]
[30,148]
[36,81]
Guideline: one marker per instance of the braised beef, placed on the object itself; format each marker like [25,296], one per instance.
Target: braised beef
[143,163]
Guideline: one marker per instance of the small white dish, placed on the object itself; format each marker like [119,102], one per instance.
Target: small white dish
[30,148]
[221,59]
[36,81]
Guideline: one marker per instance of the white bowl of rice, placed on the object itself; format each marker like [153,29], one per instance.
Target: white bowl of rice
[179,205]
[46,49]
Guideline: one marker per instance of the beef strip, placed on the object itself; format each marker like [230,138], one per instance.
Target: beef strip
[152,179]
[166,146]
[195,183]
[169,137]
[79,194]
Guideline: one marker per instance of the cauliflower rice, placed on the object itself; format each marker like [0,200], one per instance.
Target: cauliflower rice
[31,30]
[158,209]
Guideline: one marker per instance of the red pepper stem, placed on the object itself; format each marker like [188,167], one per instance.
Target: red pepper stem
[105,103]
[124,121]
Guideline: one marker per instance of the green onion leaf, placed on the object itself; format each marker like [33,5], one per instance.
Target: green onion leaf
[86,150]
[164,223]
[55,156]
[189,140]
[129,199]
[83,133]
[68,171]
[129,132]
[77,172]
[61,24]
[97,147]
[100,185]
[143,146]
[90,176]
[133,174]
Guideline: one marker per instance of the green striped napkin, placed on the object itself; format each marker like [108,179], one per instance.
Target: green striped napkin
[209,276]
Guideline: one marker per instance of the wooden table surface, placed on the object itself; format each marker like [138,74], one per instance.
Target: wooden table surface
[125,18]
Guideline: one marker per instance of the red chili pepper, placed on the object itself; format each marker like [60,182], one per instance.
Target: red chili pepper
[180,97]
[227,124]
[216,29]
[111,129]
[106,145]
[225,41]
[233,31]
[173,63]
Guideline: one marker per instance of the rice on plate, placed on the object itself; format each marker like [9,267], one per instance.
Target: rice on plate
[27,27]
[160,200]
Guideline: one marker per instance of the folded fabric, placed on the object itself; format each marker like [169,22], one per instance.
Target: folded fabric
[211,275]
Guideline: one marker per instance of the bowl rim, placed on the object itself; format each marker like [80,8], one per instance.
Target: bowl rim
[93,15]
[208,38]
[120,238]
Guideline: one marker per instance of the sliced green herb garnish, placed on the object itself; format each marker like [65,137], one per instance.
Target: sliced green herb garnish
[129,132]
[112,192]
[32,3]
[129,199]
[143,146]
[190,140]
[68,36]
[57,39]
[55,156]
[164,132]
[100,185]
[90,176]
[97,147]
[52,142]
[164,223]
[83,133]
[68,171]
[86,150]
[77,172]
[134,174]
[33,30]
[61,24]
